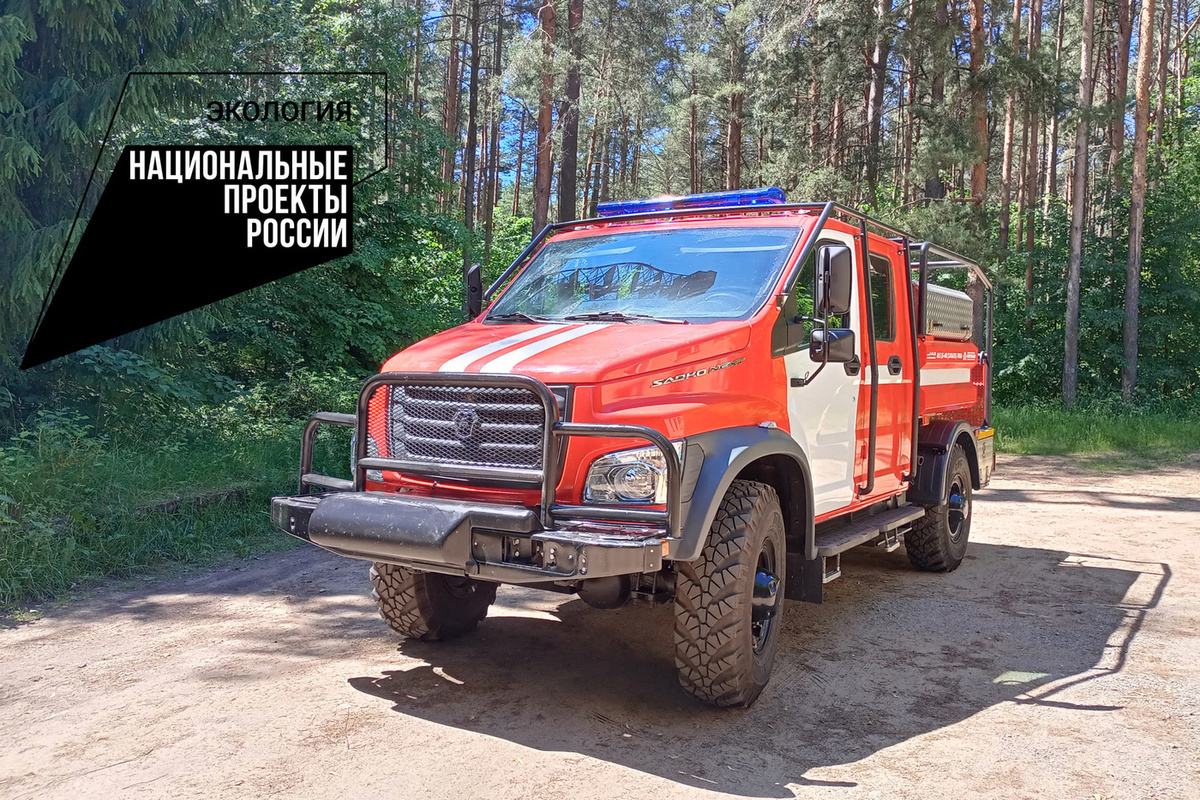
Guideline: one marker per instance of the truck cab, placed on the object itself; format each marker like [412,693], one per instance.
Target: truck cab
[702,400]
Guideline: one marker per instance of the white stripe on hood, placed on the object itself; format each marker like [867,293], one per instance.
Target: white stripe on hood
[462,361]
[506,362]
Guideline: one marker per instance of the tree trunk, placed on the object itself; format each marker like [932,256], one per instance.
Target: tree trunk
[978,107]
[544,165]
[1120,91]
[835,143]
[419,14]
[491,192]
[875,90]
[637,158]
[1010,126]
[623,174]
[733,137]
[1164,46]
[693,141]
[935,189]
[603,194]
[481,156]
[912,134]
[1052,150]
[814,110]
[1180,54]
[1079,186]
[589,200]
[450,110]
[1137,201]
[520,158]
[1022,174]
[472,126]
[1185,56]
[899,137]
[1032,162]
[468,182]
[568,113]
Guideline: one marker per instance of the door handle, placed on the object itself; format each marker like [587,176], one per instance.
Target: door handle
[895,366]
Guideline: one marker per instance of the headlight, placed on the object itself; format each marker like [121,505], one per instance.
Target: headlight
[630,476]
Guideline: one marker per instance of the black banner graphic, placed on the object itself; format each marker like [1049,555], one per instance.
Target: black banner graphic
[178,227]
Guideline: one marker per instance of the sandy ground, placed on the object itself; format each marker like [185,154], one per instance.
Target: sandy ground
[1062,660]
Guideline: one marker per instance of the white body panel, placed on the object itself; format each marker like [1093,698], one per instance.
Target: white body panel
[822,415]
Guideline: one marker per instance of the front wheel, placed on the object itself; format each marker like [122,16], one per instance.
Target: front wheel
[938,541]
[728,602]
[425,605]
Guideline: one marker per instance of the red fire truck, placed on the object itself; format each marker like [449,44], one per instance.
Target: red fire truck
[704,399]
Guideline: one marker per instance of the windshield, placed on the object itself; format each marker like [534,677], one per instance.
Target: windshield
[698,274]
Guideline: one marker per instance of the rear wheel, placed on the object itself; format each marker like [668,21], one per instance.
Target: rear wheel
[938,541]
[728,602]
[425,605]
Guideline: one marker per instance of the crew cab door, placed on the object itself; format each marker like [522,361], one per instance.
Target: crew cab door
[822,404]
[888,305]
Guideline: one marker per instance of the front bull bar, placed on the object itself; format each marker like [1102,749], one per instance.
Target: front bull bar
[549,511]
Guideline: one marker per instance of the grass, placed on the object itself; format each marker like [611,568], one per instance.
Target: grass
[1106,438]
[75,508]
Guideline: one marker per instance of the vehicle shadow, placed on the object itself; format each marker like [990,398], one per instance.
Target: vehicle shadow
[890,655]
[1107,499]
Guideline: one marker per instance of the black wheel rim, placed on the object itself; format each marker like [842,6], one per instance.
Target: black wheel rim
[760,631]
[959,509]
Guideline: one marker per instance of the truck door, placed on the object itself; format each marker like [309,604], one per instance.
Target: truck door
[822,406]
[889,309]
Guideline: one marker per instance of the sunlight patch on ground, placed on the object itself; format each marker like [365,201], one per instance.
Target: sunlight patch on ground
[524,613]
[1017,678]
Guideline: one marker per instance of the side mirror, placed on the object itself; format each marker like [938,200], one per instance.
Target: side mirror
[841,346]
[473,303]
[834,279]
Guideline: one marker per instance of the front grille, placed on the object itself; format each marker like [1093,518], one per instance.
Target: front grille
[466,425]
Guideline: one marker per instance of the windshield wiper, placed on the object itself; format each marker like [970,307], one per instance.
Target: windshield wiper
[623,316]
[518,316]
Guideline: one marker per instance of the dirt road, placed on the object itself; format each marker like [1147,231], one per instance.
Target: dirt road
[1061,661]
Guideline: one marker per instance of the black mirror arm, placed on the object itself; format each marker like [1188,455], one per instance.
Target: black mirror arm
[807,379]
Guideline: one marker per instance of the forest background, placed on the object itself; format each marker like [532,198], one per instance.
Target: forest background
[1055,141]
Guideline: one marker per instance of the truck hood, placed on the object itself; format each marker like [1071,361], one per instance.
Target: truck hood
[571,353]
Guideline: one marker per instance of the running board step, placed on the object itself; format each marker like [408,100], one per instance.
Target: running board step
[882,525]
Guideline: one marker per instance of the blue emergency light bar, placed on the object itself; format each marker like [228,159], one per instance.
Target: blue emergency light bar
[771,196]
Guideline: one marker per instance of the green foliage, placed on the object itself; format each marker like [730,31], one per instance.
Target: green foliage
[1029,341]
[212,400]
[1098,431]
[76,504]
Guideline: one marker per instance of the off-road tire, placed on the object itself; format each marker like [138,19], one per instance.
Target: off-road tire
[714,634]
[938,540]
[425,605]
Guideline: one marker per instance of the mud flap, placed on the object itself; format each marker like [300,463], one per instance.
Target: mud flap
[805,578]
